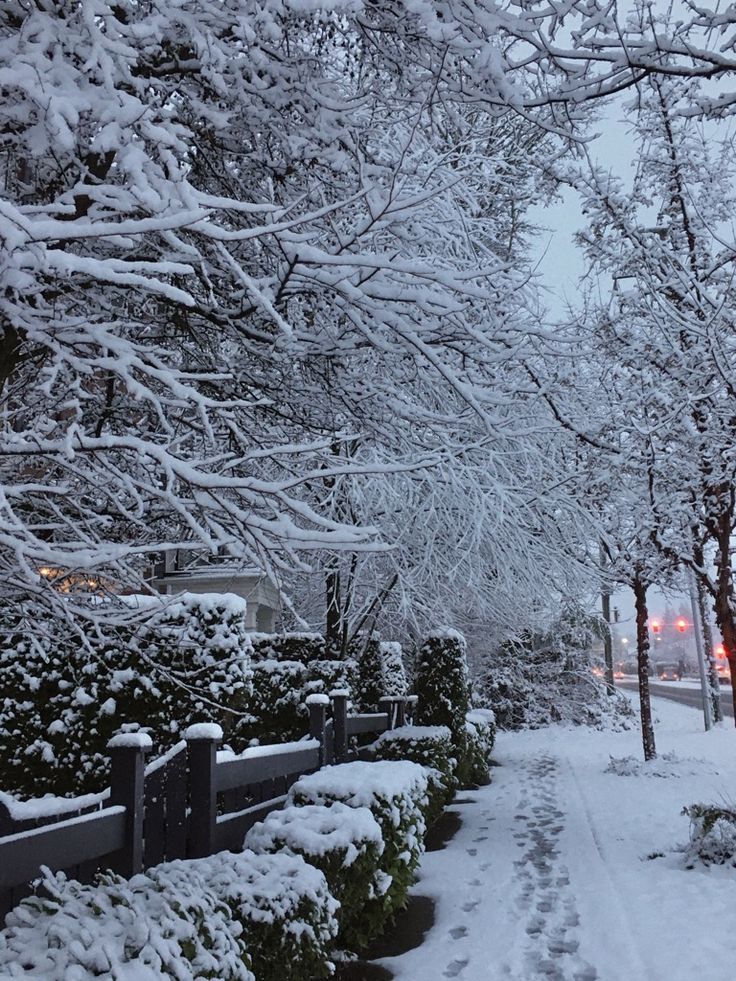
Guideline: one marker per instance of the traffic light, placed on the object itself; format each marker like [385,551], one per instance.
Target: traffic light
[656,626]
[681,625]
[720,651]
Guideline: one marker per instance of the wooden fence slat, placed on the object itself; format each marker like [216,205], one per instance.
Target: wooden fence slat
[60,845]
[241,772]
[232,828]
[176,806]
[375,722]
[154,827]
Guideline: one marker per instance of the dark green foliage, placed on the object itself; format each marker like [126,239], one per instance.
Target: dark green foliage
[398,804]
[326,676]
[432,747]
[442,683]
[345,844]
[392,669]
[289,647]
[277,704]
[369,682]
[166,665]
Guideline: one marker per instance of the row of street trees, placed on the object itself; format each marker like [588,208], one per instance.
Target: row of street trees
[266,292]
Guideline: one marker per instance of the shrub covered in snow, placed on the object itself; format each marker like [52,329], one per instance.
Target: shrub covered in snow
[543,677]
[369,682]
[431,746]
[346,844]
[284,906]
[392,669]
[326,676]
[302,647]
[396,793]
[278,701]
[712,834]
[168,923]
[472,769]
[165,664]
[241,917]
[442,682]
[484,721]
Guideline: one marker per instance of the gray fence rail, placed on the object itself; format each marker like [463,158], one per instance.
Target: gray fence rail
[190,803]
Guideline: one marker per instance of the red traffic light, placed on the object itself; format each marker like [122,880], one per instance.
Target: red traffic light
[681,625]
[656,626]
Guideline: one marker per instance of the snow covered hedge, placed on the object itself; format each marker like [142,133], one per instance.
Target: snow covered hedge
[346,844]
[241,917]
[168,923]
[712,835]
[396,793]
[302,647]
[167,662]
[431,746]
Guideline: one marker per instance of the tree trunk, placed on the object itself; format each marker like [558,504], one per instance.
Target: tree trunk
[710,660]
[724,596]
[642,660]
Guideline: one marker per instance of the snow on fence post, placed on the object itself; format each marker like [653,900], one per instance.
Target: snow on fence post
[393,706]
[339,700]
[410,703]
[127,774]
[202,740]
[317,706]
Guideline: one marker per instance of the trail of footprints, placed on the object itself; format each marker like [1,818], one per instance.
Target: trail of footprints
[545,898]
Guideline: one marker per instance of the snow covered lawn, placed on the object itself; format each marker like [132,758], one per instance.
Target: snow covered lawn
[552,876]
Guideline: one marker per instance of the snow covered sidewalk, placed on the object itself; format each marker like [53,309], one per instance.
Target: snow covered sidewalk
[566,869]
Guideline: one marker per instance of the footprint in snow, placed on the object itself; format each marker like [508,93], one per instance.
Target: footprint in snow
[454,968]
[458,932]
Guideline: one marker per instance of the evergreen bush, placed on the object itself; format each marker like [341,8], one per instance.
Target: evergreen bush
[346,844]
[167,923]
[369,681]
[396,793]
[285,908]
[442,683]
[167,663]
[430,746]
[392,669]
[302,647]
[712,835]
[277,705]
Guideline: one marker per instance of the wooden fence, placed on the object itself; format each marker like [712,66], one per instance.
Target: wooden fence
[192,802]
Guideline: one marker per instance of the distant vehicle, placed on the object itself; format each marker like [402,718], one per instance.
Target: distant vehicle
[724,672]
[669,671]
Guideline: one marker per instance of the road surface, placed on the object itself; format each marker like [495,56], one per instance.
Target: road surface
[673,691]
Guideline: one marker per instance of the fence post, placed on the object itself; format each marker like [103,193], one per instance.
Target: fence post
[317,706]
[340,722]
[411,706]
[128,756]
[386,704]
[202,740]
[400,712]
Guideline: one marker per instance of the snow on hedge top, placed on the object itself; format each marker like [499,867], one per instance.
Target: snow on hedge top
[413,734]
[446,633]
[360,783]
[270,888]
[483,717]
[204,730]
[165,923]
[314,829]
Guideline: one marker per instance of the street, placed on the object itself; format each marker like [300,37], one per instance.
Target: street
[673,691]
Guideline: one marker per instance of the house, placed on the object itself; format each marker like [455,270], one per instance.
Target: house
[252,585]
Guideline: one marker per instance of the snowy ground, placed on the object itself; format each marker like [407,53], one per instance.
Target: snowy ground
[552,876]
